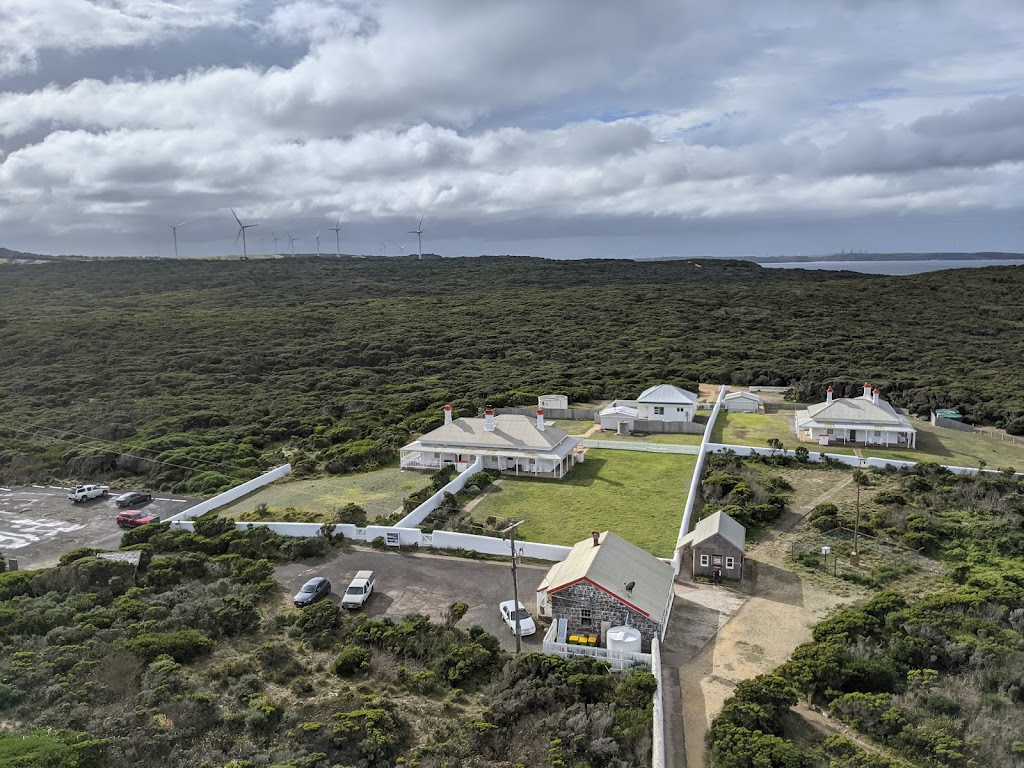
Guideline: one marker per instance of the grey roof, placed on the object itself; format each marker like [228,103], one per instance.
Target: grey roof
[856,409]
[621,408]
[610,566]
[510,431]
[744,395]
[666,393]
[719,523]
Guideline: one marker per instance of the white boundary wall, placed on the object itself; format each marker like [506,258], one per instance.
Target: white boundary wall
[232,494]
[626,445]
[684,526]
[454,485]
[658,731]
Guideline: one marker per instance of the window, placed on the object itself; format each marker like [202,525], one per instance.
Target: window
[586,618]
[659,410]
[680,410]
[730,563]
[705,561]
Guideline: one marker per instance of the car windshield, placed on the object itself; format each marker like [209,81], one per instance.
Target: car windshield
[354,591]
[523,614]
[308,588]
[132,515]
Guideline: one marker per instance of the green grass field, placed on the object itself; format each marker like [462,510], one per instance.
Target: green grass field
[943,446]
[680,439]
[379,492]
[639,496]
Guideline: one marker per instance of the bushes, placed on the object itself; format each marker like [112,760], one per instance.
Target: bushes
[351,660]
[183,645]
[51,749]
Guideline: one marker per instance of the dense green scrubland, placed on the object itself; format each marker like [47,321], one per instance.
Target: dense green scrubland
[194,661]
[935,682]
[219,368]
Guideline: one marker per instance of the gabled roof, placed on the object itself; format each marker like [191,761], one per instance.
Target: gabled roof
[743,395]
[856,409]
[721,524]
[610,566]
[666,393]
[510,431]
[620,408]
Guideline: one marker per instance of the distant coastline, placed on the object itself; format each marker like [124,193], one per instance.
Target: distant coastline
[845,257]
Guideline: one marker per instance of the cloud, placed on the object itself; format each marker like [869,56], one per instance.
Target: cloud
[487,113]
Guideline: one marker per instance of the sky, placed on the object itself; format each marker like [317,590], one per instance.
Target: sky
[569,129]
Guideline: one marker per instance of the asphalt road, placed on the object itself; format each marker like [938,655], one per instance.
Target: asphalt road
[427,584]
[38,523]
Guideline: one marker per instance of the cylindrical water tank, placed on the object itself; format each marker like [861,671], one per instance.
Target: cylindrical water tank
[624,639]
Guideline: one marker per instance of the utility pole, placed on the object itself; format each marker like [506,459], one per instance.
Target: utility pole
[511,530]
[858,477]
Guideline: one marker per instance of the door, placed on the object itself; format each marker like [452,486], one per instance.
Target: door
[853,435]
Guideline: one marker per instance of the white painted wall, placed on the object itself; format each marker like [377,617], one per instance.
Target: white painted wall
[232,494]
[658,730]
[673,412]
[453,486]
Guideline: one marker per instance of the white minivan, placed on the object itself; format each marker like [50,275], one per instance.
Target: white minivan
[359,590]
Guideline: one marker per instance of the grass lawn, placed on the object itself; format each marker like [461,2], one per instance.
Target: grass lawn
[637,495]
[379,492]
[963,449]
[679,439]
[570,427]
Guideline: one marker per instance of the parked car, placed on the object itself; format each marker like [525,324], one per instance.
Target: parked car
[359,590]
[86,492]
[133,518]
[312,591]
[526,623]
[133,499]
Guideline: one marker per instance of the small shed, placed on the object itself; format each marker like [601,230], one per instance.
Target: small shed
[742,402]
[717,543]
[553,401]
[619,411]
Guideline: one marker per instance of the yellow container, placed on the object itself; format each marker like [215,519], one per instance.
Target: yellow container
[574,639]
[591,640]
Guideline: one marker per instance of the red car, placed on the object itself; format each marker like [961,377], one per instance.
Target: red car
[133,518]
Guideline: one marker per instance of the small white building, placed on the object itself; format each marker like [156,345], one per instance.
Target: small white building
[619,416]
[741,402]
[664,402]
[555,402]
[514,444]
[864,420]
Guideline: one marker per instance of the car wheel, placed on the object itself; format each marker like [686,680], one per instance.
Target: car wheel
[105,494]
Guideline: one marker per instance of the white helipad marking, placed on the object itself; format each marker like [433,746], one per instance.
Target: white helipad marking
[38,486]
[57,487]
[5,489]
[180,501]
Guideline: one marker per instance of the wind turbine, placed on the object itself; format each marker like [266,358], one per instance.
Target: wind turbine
[174,231]
[241,232]
[317,238]
[337,234]
[383,249]
[401,250]
[419,238]
[291,242]
[274,235]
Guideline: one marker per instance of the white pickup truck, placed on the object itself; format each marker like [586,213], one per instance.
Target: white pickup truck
[86,492]
[359,590]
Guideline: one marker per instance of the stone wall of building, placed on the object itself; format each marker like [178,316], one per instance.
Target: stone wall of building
[571,602]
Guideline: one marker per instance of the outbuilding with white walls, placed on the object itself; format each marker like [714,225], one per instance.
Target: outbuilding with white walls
[741,402]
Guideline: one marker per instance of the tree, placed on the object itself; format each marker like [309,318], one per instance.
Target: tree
[775,444]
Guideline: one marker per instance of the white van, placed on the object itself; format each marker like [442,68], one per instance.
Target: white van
[359,590]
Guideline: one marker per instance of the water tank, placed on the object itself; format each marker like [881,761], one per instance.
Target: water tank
[624,639]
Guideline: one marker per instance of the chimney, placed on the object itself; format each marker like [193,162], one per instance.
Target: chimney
[540,419]
[828,395]
[596,536]
[874,396]
[447,414]
[867,390]
[489,419]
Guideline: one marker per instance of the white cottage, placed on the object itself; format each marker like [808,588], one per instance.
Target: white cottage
[664,402]
[514,444]
[741,402]
[554,402]
[864,420]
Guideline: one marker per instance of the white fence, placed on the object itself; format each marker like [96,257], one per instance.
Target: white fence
[455,485]
[617,660]
[684,526]
[658,732]
[232,494]
[635,445]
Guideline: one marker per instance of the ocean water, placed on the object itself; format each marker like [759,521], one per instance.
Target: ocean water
[896,267]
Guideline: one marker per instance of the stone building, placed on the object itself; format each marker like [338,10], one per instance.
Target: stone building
[607,582]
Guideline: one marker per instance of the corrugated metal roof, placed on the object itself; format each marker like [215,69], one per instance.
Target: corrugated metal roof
[666,393]
[857,409]
[618,409]
[743,395]
[719,523]
[510,431]
[611,565]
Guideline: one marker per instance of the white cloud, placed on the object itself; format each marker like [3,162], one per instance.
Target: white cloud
[497,111]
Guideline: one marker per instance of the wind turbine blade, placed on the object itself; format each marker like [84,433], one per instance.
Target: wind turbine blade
[420,226]
[238,235]
[187,221]
[236,217]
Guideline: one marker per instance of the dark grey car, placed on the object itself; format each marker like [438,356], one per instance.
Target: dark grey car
[312,591]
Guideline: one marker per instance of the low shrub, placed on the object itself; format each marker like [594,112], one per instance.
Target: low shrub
[183,645]
[351,660]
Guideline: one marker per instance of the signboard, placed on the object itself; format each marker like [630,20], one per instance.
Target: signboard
[392,539]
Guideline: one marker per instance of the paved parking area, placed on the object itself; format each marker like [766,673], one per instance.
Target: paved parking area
[38,524]
[408,583]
